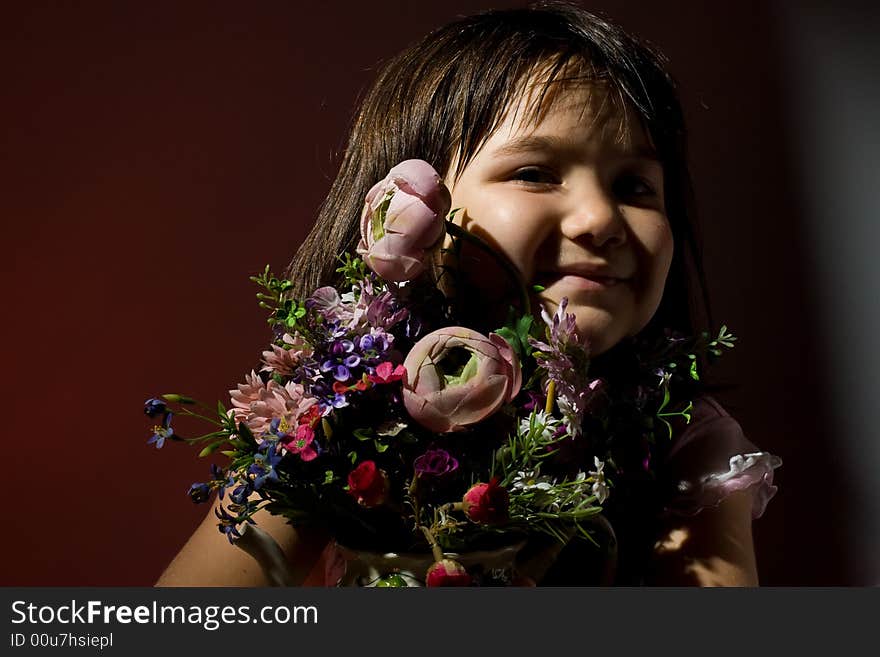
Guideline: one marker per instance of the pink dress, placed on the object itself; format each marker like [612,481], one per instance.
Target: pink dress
[711,459]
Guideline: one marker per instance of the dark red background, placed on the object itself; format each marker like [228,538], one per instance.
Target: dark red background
[154,155]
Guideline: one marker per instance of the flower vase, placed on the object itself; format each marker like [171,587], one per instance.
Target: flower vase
[267,553]
[360,568]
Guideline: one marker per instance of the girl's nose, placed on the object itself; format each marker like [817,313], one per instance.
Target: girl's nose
[595,216]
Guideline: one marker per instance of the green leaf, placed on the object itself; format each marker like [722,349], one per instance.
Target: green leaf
[210,449]
[178,399]
[352,456]
[245,433]
[379,446]
[363,434]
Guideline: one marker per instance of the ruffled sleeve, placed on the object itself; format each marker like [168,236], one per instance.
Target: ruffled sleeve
[711,459]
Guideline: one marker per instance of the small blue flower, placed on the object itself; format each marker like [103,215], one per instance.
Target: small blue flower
[199,493]
[154,407]
[241,492]
[220,480]
[161,433]
[228,524]
[264,465]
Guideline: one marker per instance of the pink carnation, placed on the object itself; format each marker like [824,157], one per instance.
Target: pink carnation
[284,360]
[257,404]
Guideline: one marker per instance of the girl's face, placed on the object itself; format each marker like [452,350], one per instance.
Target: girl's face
[577,208]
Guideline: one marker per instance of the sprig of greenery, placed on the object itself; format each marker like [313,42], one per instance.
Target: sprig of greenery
[353,269]
[284,310]
[524,449]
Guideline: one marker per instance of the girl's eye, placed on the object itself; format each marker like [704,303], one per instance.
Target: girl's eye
[634,187]
[535,176]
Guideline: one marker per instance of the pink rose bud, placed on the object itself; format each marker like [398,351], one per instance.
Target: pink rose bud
[443,393]
[486,503]
[447,572]
[368,484]
[404,220]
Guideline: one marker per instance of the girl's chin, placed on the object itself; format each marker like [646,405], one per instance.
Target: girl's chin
[596,326]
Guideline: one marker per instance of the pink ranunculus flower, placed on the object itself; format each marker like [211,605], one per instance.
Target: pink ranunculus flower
[442,400]
[403,220]
[447,572]
[486,503]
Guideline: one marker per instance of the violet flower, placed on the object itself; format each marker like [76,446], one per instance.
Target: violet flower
[435,463]
[566,360]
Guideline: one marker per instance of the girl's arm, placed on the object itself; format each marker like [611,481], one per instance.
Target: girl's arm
[712,548]
[207,558]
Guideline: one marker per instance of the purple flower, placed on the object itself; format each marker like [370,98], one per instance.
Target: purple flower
[567,362]
[341,360]
[384,311]
[536,400]
[435,463]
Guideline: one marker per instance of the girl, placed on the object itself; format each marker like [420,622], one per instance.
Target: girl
[561,139]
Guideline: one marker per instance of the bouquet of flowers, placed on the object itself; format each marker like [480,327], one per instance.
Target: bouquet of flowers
[377,417]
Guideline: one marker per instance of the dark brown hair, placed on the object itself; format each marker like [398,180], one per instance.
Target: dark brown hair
[440,100]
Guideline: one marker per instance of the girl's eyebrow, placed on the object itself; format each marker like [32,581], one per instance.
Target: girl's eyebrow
[532,143]
[537,143]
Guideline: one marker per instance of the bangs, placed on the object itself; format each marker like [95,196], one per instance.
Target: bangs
[535,88]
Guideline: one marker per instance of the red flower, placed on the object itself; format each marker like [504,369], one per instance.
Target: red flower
[368,484]
[311,416]
[387,373]
[486,503]
[447,572]
[301,443]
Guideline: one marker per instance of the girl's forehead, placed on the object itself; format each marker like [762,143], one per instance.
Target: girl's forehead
[577,109]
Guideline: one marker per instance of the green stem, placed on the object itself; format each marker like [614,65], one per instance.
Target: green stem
[509,268]
[186,411]
[435,549]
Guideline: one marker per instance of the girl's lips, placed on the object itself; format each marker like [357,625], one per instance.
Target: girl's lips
[588,282]
[585,282]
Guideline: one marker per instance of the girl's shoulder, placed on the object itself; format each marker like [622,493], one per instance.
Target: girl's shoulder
[711,458]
